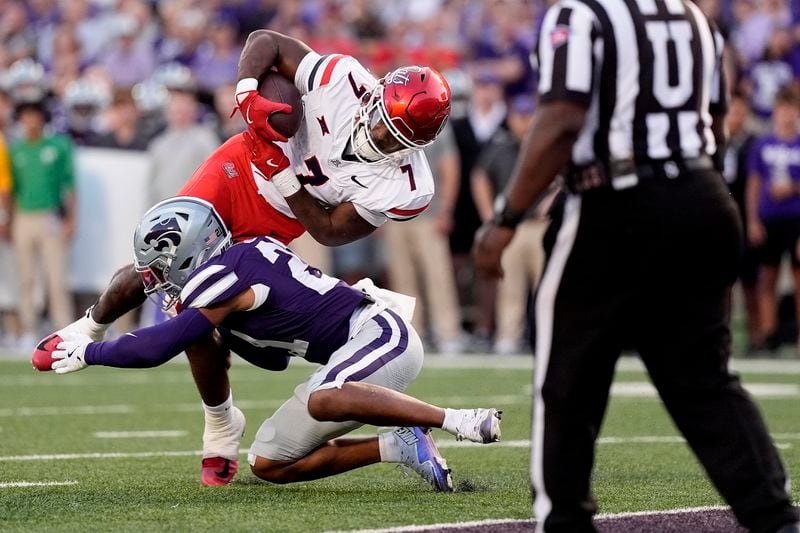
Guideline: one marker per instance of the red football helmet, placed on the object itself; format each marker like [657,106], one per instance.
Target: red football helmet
[404,112]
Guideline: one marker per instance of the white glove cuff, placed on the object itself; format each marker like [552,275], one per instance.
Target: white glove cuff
[286,182]
[244,86]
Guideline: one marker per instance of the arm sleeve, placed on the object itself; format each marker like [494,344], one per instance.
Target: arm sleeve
[153,346]
[565,53]
[315,71]
[304,71]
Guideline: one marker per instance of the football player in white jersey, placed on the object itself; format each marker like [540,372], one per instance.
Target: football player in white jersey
[354,164]
[358,147]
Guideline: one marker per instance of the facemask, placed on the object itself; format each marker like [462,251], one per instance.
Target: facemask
[363,148]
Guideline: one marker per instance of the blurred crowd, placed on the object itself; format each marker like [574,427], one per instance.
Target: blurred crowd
[158,77]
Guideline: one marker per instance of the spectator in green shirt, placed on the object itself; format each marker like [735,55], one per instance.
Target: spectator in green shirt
[44,215]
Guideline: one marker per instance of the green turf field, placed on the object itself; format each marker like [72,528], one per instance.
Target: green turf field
[640,466]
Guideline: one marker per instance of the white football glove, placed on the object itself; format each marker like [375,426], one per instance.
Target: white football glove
[70,353]
[87,326]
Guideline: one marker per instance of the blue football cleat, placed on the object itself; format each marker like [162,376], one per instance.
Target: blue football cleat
[418,452]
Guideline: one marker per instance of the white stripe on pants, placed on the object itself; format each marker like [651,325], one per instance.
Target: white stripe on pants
[545,304]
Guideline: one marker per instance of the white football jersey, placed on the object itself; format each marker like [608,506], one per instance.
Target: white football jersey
[332,87]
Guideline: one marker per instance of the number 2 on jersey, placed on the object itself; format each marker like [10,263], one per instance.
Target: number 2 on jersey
[310,277]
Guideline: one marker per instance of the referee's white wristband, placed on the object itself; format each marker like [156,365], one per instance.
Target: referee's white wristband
[286,182]
[244,86]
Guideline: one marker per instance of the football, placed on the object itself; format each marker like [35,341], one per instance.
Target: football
[276,88]
[42,354]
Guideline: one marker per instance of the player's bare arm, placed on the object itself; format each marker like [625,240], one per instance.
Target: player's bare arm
[124,293]
[265,49]
[557,125]
[448,184]
[333,227]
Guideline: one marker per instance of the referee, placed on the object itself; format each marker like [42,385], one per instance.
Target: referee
[645,253]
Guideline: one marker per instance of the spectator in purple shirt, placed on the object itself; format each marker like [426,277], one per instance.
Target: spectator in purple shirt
[503,51]
[773,205]
[129,60]
[217,59]
[757,22]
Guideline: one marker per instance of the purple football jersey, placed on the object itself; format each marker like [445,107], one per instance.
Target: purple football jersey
[298,311]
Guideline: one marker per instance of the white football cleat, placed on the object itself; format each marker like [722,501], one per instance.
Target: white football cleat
[480,425]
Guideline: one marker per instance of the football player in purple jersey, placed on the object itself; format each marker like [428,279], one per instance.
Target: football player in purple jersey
[267,305]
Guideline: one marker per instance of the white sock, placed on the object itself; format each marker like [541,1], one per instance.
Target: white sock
[390,452]
[452,420]
[219,415]
[98,330]
[222,435]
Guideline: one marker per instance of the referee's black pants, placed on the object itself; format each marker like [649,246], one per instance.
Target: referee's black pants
[650,267]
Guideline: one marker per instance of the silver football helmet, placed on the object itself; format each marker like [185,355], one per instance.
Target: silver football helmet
[175,237]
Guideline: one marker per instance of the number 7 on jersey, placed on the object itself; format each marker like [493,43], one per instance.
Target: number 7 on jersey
[408,170]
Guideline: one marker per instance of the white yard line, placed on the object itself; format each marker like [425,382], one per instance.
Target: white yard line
[150,434]
[627,389]
[645,389]
[432,360]
[67,410]
[15,484]
[446,443]
[116,409]
[99,455]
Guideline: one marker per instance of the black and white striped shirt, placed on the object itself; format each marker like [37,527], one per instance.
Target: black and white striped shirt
[649,72]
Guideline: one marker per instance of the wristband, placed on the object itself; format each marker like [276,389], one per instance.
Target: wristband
[505,216]
[244,86]
[286,182]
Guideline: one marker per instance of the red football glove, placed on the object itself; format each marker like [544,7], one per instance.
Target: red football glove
[266,156]
[256,110]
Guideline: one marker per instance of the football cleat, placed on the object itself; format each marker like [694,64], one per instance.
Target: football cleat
[219,469]
[418,452]
[480,425]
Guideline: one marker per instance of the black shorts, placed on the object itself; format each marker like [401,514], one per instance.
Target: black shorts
[782,236]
